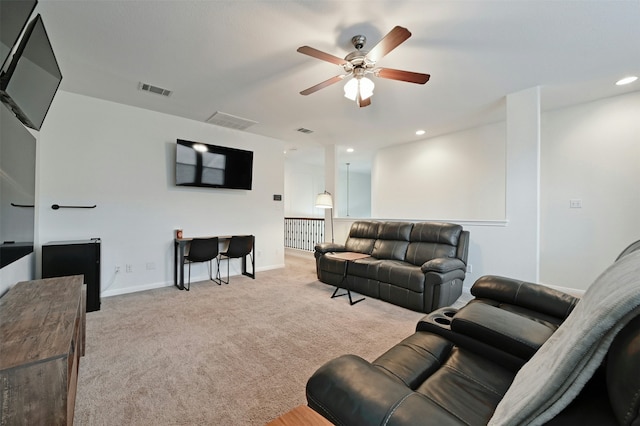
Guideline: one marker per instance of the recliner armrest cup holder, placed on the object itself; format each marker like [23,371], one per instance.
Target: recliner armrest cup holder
[439,322]
[440,318]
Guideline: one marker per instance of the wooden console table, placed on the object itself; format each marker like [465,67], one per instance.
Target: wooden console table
[42,329]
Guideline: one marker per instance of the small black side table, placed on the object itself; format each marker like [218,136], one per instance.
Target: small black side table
[348,257]
[64,258]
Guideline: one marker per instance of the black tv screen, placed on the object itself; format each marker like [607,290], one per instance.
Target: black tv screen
[14,15]
[32,78]
[213,166]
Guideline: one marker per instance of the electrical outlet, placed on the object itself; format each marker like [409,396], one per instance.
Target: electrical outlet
[575,203]
[129,268]
[469,268]
[117,269]
[151,266]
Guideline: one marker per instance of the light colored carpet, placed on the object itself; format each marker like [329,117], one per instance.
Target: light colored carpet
[237,354]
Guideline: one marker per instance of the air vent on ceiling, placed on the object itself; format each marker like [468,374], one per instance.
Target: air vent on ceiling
[154,89]
[231,121]
[303,130]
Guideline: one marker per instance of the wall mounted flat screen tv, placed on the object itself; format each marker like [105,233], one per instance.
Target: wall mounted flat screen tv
[213,166]
[14,15]
[31,80]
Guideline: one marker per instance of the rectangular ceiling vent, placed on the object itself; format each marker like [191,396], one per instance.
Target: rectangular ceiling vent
[303,130]
[154,89]
[230,121]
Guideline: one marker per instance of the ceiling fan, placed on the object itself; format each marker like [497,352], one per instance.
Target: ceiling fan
[358,64]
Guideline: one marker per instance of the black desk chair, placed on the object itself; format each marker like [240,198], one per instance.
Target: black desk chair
[239,247]
[202,250]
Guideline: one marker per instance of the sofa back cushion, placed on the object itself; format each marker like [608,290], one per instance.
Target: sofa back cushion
[393,239]
[431,240]
[362,236]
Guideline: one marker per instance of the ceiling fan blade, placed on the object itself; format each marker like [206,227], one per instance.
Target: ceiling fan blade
[389,42]
[322,85]
[363,102]
[315,53]
[411,77]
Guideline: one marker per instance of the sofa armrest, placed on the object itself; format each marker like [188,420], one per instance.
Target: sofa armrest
[504,330]
[351,391]
[324,248]
[443,265]
[532,296]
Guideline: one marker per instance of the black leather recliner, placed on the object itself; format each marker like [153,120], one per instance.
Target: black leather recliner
[458,365]
[419,266]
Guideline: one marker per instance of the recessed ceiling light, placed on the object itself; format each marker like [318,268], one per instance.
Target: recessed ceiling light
[349,149]
[420,132]
[626,80]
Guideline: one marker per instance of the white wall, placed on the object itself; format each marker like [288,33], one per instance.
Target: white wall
[591,152]
[302,183]
[353,200]
[463,178]
[121,159]
[458,176]
[588,152]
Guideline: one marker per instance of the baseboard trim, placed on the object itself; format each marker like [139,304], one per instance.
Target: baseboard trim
[153,286]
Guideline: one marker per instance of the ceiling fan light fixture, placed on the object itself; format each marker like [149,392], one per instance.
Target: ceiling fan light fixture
[351,89]
[361,85]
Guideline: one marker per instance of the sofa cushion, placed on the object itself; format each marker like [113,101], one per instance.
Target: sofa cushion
[436,232]
[390,249]
[415,358]
[365,268]
[393,239]
[362,236]
[467,386]
[400,231]
[430,240]
[401,274]
[453,386]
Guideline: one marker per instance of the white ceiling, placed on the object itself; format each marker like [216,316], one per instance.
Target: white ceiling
[239,57]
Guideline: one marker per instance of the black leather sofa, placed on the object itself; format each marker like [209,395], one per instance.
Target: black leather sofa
[458,365]
[419,266]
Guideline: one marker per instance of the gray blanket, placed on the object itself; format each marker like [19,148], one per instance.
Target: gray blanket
[559,370]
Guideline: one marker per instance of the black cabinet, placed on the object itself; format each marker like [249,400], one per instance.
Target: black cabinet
[63,258]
